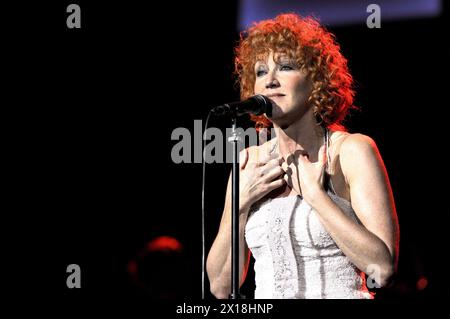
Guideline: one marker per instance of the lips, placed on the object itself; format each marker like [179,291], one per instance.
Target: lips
[273,95]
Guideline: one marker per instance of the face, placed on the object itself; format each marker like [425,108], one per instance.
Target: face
[286,85]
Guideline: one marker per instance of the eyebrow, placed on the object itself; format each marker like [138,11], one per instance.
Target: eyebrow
[285,58]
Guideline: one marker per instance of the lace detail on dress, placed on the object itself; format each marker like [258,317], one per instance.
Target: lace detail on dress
[283,258]
[294,255]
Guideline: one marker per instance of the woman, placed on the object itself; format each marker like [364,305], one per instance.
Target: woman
[316,206]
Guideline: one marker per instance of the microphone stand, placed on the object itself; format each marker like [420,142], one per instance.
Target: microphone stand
[257,105]
[235,139]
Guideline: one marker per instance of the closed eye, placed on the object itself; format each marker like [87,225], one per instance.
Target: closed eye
[260,73]
[286,67]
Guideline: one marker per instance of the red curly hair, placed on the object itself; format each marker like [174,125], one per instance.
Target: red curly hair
[314,49]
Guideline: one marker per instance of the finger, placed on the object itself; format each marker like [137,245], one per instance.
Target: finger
[304,156]
[286,178]
[264,157]
[274,162]
[274,173]
[302,160]
[243,158]
[275,184]
[285,166]
[269,166]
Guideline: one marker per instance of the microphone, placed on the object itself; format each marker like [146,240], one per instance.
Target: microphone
[257,105]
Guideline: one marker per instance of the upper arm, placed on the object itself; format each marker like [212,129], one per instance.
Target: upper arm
[370,189]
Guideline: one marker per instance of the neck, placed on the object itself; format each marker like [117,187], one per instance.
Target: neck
[304,135]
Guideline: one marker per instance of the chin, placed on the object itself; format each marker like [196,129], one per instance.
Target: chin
[280,120]
[277,111]
[279,114]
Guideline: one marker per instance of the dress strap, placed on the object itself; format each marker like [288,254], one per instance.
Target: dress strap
[328,183]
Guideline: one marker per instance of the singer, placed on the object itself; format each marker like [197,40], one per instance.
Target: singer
[316,207]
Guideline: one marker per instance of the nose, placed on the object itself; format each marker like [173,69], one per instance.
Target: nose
[271,81]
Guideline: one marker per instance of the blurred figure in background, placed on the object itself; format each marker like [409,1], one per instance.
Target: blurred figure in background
[159,269]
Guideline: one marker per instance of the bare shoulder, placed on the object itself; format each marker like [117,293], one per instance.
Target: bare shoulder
[357,143]
[348,145]
[359,152]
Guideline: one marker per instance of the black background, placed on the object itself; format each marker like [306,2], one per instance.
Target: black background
[89,123]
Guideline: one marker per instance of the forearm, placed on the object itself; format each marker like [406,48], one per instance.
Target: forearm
[219,259]
[362,247]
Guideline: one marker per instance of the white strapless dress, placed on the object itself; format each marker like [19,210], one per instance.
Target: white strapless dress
[294,255]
